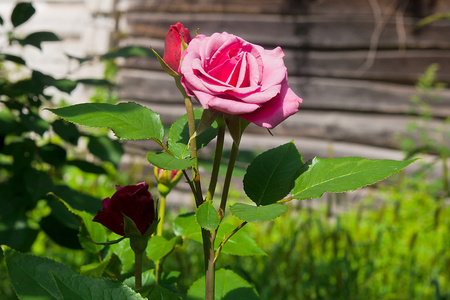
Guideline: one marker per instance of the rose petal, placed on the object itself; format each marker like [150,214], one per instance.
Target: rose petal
[111,220]
[134,201]
[232,107]
[275,111]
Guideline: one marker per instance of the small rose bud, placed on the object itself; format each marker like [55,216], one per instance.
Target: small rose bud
[166,180]
[133,201]
[174,46]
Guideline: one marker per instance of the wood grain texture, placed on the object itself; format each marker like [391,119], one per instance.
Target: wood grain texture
[284,7]
[335,31]
[318,93]
[356,85]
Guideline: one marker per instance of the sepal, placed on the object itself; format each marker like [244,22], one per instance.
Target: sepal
[165,66]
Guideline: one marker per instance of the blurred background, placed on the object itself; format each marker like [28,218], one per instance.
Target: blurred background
[374,77]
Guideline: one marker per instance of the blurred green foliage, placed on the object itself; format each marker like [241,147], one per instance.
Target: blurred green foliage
[424,136]
[38,154]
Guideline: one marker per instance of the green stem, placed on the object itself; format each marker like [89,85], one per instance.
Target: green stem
[228,176]
[207,237]
[193,147]
[138,245]
[219,249]
[159,231]
[161,213]
[209,255]
[217,159]
[138,270]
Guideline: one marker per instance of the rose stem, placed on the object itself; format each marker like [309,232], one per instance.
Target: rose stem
[210,255]
[219,249]
[217,159]
[207,237]
[159,231]
[192,144]
[138,245]
[161,213]
[228,176]
[138,270]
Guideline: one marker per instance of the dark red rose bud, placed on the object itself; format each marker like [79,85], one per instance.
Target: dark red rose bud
[173,45]
[133,201]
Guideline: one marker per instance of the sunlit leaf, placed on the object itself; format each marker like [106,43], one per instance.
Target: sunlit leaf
[178,137]
[129,121]
[343,174]
[166,161]
[78,287]
[228,285]
[207,216]
[271,176]
[258,214]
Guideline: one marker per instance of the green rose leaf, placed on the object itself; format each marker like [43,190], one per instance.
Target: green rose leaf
[272,174]
[123,251]
[53,154]
[129,51]
[186,226]
[95,82]
[106,149]
[67,131]
[65,85]
[129,121]
[158,247]
[158,292]
[258,214]
[89,230]
[178,137]
[207,216]
[166,161]
[17,59]
[148,279]
[228,285]
[30,275]
[239,244]
[340,175]
[22,12]
[78,287]
[86,166]
[36,38]
[95,269]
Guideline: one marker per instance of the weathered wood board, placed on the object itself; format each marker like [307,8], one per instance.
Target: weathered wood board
[356,83]
[301,31]
[318,93]
[284,7]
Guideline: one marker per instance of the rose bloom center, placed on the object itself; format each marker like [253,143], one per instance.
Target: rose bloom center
[236,66]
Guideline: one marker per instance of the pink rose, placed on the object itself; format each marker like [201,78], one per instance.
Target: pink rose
[230,75]
[172,47]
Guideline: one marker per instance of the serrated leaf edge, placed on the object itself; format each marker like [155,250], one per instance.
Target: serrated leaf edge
[258,206]
[348,190]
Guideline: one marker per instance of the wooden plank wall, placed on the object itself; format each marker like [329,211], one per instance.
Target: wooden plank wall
[354,62]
